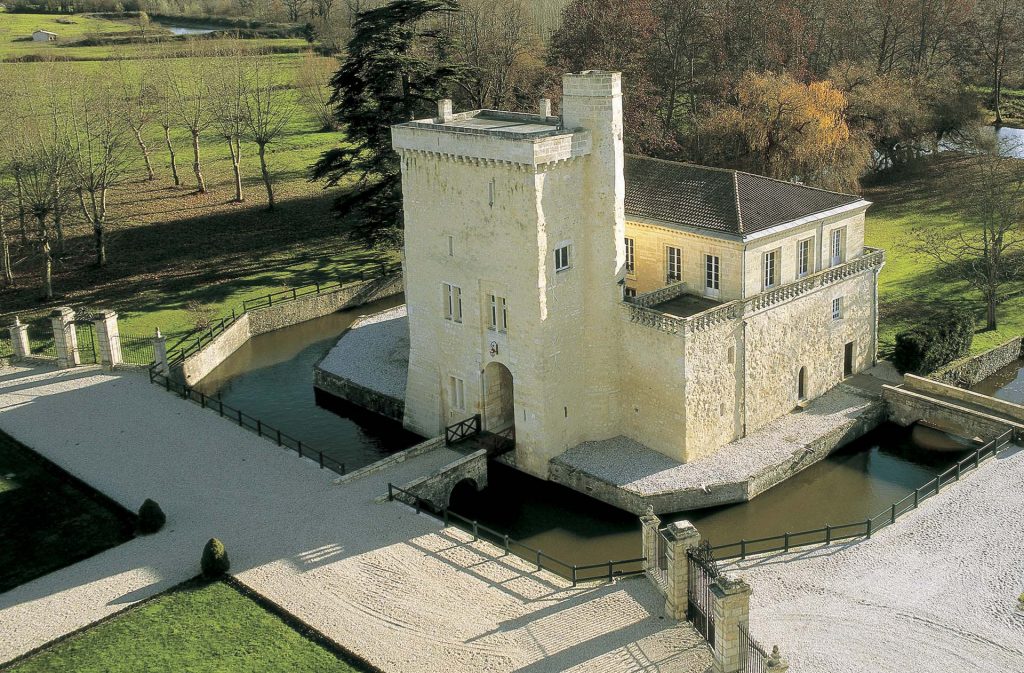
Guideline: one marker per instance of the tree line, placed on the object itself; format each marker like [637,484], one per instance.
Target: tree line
[71,135]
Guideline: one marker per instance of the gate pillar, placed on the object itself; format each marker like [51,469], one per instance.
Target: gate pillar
[65,338]
[680,536]
[160,354]
[731,606]
[649,525]
[19,340]
[109,336]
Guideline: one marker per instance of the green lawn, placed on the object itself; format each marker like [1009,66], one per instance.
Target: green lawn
[909,285]
[49,520]
[15,28]
[195,628]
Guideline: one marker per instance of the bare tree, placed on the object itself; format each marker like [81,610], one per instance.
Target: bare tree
[6,269]
[312,82]
[136,104]
[267,111]
[228,93]
[165,114]
[40,172]
[99,154]
[987,252]
[998,30]
[190,90]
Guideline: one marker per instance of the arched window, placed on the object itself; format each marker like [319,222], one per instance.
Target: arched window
[801,384]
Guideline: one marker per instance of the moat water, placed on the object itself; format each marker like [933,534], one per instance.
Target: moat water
[271,378]
[1006,384]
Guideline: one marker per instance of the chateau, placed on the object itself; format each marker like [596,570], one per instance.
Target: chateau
[559,286]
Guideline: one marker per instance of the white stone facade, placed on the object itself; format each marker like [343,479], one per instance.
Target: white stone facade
[515,268]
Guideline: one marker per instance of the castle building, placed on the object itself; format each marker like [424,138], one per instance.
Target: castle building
[575,293]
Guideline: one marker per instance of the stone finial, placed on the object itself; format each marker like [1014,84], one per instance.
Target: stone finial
[158,335]
[649,510]
[545,107]
[444,110]
[776,655]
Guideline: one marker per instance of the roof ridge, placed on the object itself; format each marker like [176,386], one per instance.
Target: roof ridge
[796,184]
[688,164]
[736,198]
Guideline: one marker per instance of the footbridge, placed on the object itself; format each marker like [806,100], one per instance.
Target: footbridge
[952,409]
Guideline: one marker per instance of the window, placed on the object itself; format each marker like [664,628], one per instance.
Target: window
[837,246]
[562,257]
[712,275]
[771,269]
[803,257]
[629,292]
[456,393]
[801,384]
[498,314]
[451,246]
[452,302]
[673,264]
[837,308]
[630,258]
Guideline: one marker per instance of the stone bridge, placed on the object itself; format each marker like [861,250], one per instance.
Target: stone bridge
[437,488]
[952,409]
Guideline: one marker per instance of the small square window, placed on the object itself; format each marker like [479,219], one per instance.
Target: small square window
[837,308]
[562,257]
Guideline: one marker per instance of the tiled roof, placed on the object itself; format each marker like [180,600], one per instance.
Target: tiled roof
[722,200]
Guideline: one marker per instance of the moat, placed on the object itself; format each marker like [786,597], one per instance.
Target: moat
[271,378]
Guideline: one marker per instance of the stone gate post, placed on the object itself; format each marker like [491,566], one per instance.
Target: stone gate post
[109,337]
[649,525]
[160,353]
[731,607]
[65,340]
[776,664]
[681,536]
[19,339]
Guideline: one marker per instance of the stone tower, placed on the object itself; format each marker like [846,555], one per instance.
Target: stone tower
[514,253]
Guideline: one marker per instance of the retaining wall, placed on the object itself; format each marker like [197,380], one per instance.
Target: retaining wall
[371,400]
[289,312]
[971,370]
[907,407]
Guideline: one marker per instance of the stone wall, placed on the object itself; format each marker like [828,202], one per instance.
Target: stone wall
[291,312]
[342,388]
[907,407]
[394,459]
[437,488]
[973,369]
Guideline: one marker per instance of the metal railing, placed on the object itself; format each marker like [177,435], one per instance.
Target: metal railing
[869,526]
[135,349]
[571,571]
[497,443]
[246,421]
[195,340]
[753,656]
[462,430]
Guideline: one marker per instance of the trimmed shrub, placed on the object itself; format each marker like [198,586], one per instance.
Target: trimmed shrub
[927,347]
[151,517]
[215,559]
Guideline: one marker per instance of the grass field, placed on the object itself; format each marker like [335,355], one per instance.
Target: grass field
[196,627]
[49,520]
[16,32]
[909,285]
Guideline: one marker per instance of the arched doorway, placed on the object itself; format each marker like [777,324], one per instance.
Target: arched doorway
[801,384]
[499,407]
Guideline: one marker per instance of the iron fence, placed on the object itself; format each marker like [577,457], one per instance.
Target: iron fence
[753,657]
[85,340]
[869,526]
[135,349]
[571,571]
[702,573]
[6,349]
[462,430]
[246,421]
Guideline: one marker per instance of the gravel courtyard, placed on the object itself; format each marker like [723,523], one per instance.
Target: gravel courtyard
[388,584]
[936,593]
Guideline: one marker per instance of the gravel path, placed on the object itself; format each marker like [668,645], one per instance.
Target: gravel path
[387,583]
[936,593]
[374,353]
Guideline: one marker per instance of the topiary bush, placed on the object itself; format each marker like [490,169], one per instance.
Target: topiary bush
[151,517]
[927,347]
[215,559]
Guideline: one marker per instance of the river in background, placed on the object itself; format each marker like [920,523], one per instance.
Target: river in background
[1006,384]
[189,30]
[271,378]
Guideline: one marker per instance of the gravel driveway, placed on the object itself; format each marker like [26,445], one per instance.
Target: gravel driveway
[383,581]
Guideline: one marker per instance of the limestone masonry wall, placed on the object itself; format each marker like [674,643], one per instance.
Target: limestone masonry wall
[907,407]
[378,403]
[973,369]
[996,405]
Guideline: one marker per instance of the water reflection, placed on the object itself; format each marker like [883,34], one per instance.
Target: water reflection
[271,378]
[859,481]
[1006,384]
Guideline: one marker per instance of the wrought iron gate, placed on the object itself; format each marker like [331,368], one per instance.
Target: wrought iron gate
[702,573]
[86,338]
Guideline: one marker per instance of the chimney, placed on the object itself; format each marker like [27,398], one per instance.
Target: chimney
[545,107]
[444,111]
